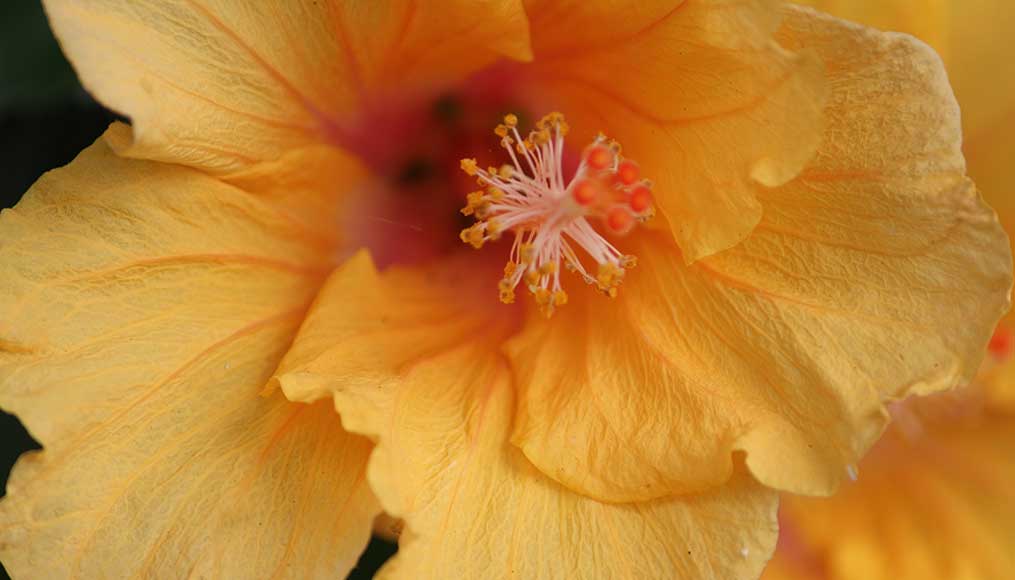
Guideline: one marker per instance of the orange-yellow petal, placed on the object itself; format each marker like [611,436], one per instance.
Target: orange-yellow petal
[410,362]
[875,274]
[933,501]
[474,507]
[956,29]
[927,20]
[367,328]
[142,309]
[223,84]
[697,91]
[310,187]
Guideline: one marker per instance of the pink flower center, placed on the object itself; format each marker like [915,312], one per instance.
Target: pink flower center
[552,217]
[406,213]
[561,206]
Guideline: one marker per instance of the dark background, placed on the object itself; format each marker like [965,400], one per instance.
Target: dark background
[46,118]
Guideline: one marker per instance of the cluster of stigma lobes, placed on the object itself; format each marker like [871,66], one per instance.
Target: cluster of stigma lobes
[552,219]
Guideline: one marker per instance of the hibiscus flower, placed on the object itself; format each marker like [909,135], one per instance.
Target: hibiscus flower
[933,499]
[274,238]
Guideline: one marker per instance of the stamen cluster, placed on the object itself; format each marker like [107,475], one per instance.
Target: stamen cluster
[550,218]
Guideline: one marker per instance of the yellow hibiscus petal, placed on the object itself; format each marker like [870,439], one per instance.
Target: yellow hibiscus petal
[366,328]
[474,507]
[928,20]
[933,503]
[142,309]
[223,84]
[226,486]
[647,75]
[388,348]
[309,186]
[876,274]
[955,28]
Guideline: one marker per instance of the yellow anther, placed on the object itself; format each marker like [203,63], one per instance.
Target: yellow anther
[469,166]
[539,138]
[507,296]
[548,301]
[542,296]
[494,229]
[541,211]
[526,252]
[473,235]
[476,203]
[532,277]
[560,298]
[554,119]
[609,276]
[507,290]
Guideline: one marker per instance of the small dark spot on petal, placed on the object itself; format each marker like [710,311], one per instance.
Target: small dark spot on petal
[415,171]
[448,109]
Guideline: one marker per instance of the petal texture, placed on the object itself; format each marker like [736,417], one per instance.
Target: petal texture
[955,28]
[367,328]
[933,501]
[927,20]
[474,507]
[142,309]
[697,91]
[441,408]
[223,84]
[876,274]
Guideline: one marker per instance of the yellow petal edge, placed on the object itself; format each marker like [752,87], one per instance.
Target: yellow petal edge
[142,308]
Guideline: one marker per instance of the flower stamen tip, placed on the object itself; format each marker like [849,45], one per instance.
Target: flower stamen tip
[552,217]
